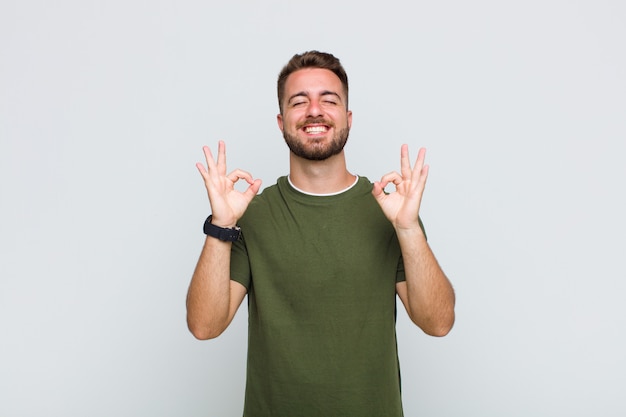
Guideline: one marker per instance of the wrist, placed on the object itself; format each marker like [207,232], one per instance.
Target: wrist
[223,221]
[226,234]
[411,231]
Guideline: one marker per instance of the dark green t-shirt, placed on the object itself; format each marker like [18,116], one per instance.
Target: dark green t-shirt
[321,274]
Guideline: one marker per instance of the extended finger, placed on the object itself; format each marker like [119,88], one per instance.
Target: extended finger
[405,163]
[209,163]
[419,162]
[420,170]
[208,156]
[221,157]
[201,169]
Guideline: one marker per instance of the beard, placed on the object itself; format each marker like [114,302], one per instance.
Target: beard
[315,149]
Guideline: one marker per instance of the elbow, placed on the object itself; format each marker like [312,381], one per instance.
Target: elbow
[439,331]
[204,332]
[205,325]
[440,323]
[438,327]
[204,335]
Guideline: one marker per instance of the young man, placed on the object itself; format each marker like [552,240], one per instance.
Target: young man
[321,255]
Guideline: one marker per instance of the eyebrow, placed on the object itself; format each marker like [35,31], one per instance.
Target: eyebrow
[305,94]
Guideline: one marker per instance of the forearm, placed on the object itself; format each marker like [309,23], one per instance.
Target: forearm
[209,295]
[429,297]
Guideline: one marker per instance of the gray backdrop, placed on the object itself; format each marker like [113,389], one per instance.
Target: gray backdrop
[105,107]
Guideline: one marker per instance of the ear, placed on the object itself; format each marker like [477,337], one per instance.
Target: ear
[279,119]
[349,119]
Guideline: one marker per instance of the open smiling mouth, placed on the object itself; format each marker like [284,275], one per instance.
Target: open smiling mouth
[315,126]
[317,129]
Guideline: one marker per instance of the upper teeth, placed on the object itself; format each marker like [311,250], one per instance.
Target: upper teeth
[315,129]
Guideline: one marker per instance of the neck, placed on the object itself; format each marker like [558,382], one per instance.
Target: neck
[320,177]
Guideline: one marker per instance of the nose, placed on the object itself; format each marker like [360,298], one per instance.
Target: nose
[314,109]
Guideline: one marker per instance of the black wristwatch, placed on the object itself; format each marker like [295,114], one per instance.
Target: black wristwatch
[226,234]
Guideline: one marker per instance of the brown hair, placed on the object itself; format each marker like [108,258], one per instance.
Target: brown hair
[311,59]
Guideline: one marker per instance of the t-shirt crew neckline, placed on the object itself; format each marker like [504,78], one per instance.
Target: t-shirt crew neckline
[323,195]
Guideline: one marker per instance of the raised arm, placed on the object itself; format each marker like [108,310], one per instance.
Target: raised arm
[427,293]
[212,298]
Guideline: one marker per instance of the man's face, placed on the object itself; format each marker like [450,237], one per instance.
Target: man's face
[315,121]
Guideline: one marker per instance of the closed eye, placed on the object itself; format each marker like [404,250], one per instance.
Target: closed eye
[332,98]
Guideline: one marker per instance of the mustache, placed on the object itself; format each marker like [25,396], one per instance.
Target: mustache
[315,120]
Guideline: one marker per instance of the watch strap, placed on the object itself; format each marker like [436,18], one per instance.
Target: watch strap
[226,234]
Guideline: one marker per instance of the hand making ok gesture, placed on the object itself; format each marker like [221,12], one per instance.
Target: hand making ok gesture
[402,206]
[227,204]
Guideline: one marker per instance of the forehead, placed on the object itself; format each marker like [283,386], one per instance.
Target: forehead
[312,80]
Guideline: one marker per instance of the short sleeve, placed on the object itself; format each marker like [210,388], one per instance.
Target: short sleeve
[400,277]
[240,263]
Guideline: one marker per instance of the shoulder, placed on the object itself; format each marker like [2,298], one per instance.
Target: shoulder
[268,194]
[261,203]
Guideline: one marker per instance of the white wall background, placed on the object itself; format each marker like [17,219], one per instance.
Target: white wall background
[104,107]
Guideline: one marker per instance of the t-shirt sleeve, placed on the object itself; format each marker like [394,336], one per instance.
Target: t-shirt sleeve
[400,277]
[419,219]
[239,263]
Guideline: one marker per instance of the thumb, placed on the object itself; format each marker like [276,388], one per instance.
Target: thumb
[253,189]
[378,191]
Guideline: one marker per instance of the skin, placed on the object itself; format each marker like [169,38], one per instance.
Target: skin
[314,119]
[314,99]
